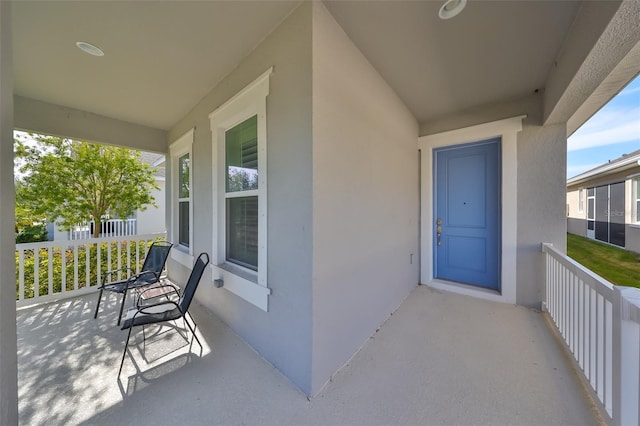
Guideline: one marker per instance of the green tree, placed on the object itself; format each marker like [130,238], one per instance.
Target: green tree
[30,227]
[70,181]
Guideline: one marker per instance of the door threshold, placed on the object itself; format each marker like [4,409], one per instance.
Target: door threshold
[468,290]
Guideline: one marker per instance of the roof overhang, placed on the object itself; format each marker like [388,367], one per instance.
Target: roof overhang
[618,166]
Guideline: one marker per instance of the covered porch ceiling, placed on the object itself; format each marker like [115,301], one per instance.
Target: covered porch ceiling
[162,57]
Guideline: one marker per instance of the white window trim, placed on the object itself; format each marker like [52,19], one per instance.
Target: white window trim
[581,199]
[507,130]
[183,145]
[243,282]
[635,182]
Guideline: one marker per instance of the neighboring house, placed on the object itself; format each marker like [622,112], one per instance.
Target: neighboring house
[142,222]
[331,156]
[153,219]
[604,203]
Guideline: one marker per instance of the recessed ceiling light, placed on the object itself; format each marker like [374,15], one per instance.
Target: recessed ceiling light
[451,8]
[89,48]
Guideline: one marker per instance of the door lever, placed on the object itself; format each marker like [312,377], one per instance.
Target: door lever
[438,230]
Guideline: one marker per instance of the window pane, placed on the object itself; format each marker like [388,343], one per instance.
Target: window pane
[242,231]
[183,179]
[183,223]
[638,211]
[581,200]
[638,189]
[241,152]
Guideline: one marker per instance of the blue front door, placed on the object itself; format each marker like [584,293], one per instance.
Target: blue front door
[467,220]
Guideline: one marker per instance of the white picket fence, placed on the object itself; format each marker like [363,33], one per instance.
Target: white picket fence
[72,268]
[600,323]
[108,228]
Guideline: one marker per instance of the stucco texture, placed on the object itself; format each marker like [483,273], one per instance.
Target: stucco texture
[365,199]
[282,335]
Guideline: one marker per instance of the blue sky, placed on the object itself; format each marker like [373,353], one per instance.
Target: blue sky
[611,132]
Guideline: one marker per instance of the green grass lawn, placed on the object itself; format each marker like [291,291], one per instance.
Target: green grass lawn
[619,266]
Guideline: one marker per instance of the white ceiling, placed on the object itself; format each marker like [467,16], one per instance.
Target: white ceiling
[162,57]
[493,50]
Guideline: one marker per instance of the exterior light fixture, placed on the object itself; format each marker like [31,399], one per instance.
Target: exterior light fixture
[451,8]
[89,48]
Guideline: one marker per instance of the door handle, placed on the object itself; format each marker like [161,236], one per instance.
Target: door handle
[438,230]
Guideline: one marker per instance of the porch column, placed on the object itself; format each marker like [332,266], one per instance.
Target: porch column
[8,344]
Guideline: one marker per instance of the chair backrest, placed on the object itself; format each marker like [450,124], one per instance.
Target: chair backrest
[194,279]
[156,257]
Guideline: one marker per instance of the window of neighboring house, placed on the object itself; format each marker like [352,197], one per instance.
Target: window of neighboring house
[636,198]
[240,193]
[181,205]
[581,200]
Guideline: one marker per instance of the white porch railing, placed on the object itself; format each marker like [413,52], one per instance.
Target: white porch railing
[600,323]
[53,270]
[108,228]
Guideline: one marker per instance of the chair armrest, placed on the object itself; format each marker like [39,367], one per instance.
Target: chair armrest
[155,277]
[113,271]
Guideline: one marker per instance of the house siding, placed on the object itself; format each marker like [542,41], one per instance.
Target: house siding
[365,199]
[576,221]
[282,335]
[152,219]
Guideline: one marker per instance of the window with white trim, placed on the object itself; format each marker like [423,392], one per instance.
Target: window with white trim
[239,131]
[581,200]
[184,199]
[181,196]
[636,198]
[242,194]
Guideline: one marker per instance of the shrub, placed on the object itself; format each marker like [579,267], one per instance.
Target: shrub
[32,234]
[57,254]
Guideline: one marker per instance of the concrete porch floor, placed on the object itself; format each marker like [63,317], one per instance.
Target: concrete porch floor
[440,359]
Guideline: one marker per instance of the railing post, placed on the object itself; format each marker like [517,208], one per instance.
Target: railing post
[626,358]
[55,268]
[617,357]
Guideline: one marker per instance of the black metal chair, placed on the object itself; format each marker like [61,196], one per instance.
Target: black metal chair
[166,310]
[150,273]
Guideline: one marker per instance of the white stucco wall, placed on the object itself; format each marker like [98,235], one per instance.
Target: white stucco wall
[358,170]
[152,219]
[542,162]
[365,199]
[632,236]
[282,335]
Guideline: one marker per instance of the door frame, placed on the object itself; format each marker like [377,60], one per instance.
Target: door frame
[493,207]
[507,130]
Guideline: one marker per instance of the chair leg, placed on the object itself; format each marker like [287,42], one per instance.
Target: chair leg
[124,353]
[124,298]
[95,314]
[193,330]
